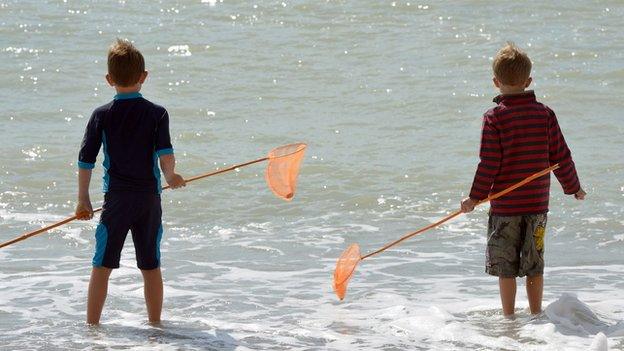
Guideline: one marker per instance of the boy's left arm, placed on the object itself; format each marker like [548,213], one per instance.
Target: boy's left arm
[91,143]
[84,210]
[164,150]
[560,153]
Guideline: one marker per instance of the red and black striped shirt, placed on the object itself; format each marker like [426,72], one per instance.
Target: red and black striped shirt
[521,137]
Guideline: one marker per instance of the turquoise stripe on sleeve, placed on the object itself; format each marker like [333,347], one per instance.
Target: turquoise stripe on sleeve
[86,165]
[161,152]
[101,237]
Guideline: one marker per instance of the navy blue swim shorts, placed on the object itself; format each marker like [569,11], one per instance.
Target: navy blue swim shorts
[138,212]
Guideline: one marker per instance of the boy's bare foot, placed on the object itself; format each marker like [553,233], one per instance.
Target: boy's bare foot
[580,195]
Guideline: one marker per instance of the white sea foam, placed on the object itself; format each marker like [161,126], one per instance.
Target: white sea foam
[600,343]
[572,315]
[211,2]
[179,50]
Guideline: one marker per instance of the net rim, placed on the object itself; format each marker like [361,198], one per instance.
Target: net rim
[300,147]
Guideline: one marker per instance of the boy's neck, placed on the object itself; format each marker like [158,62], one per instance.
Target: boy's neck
[507,90]
[126,90]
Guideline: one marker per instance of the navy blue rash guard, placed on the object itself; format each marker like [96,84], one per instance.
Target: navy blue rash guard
[134,133]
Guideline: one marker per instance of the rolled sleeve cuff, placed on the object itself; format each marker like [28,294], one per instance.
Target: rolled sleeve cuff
[162,152]
[477,195]
[574,190]
[86,165]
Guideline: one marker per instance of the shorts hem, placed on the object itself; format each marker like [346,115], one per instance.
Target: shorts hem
[105,266]
[148,268]
[533,274]
[500,275]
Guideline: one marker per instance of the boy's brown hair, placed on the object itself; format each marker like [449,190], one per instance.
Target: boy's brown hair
[125,63]
[511,65]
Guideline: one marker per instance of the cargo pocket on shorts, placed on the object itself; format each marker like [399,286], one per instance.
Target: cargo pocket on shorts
[539,232]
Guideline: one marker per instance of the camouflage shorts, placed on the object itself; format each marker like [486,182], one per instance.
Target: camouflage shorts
[515,246]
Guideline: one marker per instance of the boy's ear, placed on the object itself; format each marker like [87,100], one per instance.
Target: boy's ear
[143,77]
[528,82]
[496,82]
[110,80]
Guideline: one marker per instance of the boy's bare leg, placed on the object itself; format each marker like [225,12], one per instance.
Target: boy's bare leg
[98,288]
[153,291]
[508,294]
[535,288]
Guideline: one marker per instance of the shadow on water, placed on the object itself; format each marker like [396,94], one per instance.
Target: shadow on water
[173,334]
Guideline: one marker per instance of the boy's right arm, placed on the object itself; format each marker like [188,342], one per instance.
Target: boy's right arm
[560,153]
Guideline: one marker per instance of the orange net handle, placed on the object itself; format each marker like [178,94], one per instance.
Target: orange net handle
[39,231]
[455,214]
[231,168]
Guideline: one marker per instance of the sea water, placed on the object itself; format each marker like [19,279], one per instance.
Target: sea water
[389,97]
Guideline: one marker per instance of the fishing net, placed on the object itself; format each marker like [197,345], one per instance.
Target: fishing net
[348,261]
[344,269]
[281,176]
[283,169]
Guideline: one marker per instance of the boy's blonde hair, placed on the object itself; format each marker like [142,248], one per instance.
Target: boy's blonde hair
[125,63]
[511,65]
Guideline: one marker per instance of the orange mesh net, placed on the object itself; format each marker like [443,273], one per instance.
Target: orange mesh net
[283,169]
[345,267]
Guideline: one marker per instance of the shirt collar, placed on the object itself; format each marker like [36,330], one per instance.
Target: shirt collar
[125,96]
[528,95]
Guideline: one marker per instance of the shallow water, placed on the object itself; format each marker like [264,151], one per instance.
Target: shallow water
[388,95]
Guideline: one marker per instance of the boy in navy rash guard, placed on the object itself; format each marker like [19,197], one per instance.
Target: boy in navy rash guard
[134,134]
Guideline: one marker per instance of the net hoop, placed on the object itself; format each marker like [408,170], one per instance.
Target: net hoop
[299,147]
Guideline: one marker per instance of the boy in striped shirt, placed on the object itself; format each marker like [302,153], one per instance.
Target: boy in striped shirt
[520,137]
